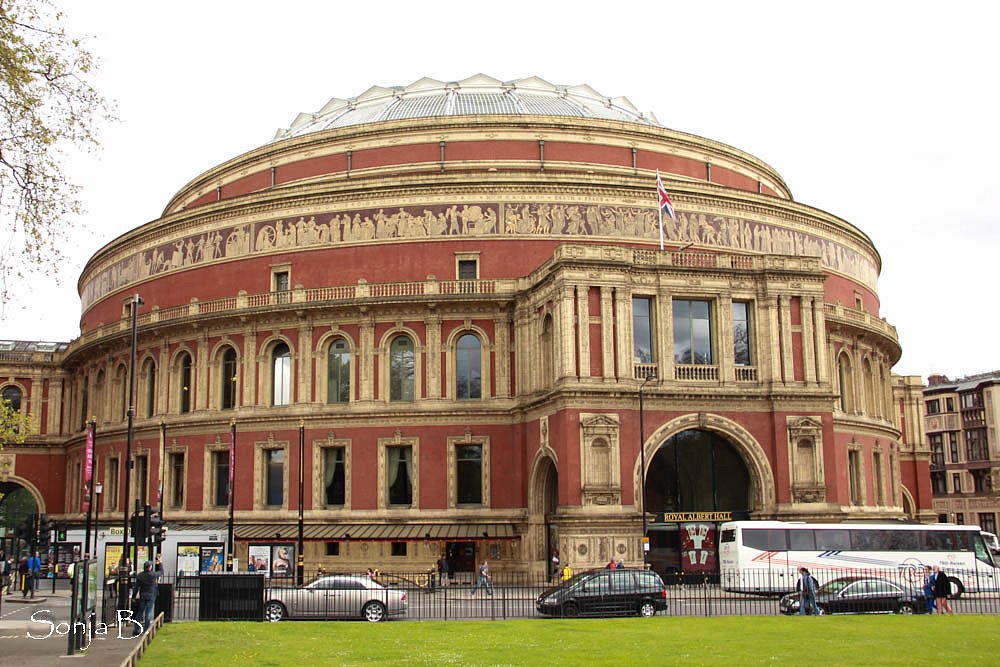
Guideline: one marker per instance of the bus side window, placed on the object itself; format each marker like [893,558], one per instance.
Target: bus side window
[802,540]
[833,539]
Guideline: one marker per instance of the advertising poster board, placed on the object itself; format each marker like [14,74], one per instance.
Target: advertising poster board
[212,561]
[282,560]
[113,553]
[188,559]
[259,559]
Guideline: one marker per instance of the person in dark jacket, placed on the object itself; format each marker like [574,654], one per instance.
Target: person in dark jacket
[145,591]
[942,591]
[929,588]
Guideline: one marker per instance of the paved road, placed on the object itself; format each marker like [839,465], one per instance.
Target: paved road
[33,632]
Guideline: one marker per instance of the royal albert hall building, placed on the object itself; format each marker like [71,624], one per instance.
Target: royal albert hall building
[456,293]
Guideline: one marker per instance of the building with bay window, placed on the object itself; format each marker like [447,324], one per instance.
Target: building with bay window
[961,424]
[457,291]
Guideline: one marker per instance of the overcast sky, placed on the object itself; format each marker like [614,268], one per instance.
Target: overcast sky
[882,113]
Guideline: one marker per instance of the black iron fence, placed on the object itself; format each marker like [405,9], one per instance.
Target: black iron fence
[463,596]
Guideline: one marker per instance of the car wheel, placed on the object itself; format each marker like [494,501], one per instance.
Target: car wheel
[570,610]
[274,612]
[374,612]
[957,589]
[647,609]
[905,608]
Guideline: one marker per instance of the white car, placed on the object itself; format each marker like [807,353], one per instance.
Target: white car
[335,596]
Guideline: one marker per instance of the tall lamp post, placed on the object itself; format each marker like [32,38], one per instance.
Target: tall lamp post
[300,561]
[642,464]
[123,570]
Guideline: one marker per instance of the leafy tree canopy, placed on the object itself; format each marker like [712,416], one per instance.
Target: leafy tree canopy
[15,426]
[46,105]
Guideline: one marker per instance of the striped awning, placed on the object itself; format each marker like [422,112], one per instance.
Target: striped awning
[466,532]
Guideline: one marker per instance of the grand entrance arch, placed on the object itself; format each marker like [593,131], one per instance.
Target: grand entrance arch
[17,501]
[700,470]
[543,500]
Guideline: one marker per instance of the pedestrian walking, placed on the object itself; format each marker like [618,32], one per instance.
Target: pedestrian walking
[23,577]
[929,589]
[443,568]
[34,569]
[554,564]
[567,572]
[807,593]
[483,581]
[942,591]
[5,575]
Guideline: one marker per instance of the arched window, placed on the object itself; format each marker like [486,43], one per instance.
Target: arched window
[869,379]
[122,379]
[84,402]
[281,380]
[229,371]
[845,374]
[548,351]
[184,366]
[12,397]
[401,369]
[468,368]
[338,369]
[99,395]
[150,372]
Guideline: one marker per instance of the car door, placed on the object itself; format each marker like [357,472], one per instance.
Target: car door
[316,598]
[883,595]
[847,600]
[344,597]
[623,597]
[591,592]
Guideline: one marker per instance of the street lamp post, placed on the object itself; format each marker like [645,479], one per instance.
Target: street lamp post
[98,490]
[123,570]
[642,464]
[300,560]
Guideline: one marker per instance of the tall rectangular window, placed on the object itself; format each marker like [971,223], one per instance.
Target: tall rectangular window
[692,332]
[741,334]
[937,450]
[933,407]
[229,371]
[854,476]
[399,475]
[280,284]
[976,448]
[988,522]
[939,483]
[334,477]
[176,479]
[642,329]
[877,474]
[220,478]
[274,477]
[141,479]
[953,446]
[469,474]
[956,482]
[468,269]
[981,480]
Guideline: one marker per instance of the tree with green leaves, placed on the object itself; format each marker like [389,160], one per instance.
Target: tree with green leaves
[46,106]
[15,426]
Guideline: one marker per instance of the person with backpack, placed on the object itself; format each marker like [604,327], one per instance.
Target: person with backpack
[807,586]
[942,591]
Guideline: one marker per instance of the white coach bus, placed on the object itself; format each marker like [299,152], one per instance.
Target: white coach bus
[764,556]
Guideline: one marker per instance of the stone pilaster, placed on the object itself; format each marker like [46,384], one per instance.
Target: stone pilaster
[583,329]
[501,354]
[607,332]
[250,367]
[305,355]
[566,334]
[433,323]
[366,358]
[808,340]
[819,336]
[201,373]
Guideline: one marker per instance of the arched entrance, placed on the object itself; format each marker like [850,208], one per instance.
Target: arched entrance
[695,479]
[16,503]
[543,503]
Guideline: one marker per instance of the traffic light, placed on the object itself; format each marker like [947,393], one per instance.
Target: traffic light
[157,532]
[45,528]
[140,527]
[60,533]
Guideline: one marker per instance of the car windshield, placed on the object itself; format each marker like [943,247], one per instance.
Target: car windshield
[835,586]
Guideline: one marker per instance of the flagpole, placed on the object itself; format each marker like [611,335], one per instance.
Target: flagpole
[232,493]
[659,208]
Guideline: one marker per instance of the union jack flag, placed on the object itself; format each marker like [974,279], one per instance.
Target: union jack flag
[665,203]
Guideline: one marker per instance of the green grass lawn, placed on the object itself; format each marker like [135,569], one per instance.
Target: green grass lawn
[745,640]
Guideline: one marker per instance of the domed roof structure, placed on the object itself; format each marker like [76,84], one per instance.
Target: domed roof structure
[475,96]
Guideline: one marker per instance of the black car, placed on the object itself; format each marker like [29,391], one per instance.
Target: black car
[858,594]
[605,592]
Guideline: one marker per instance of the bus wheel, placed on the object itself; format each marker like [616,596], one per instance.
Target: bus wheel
[957,589]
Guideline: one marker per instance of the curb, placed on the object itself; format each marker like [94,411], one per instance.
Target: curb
[133,657]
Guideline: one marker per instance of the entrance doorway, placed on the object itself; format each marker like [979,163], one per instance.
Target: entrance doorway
[693,476]
[16,504]
[462,557]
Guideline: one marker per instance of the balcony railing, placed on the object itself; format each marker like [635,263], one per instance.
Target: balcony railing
[746,373]
[696,372]
[644,371]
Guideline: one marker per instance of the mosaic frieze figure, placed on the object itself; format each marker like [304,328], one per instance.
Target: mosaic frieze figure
[521,219]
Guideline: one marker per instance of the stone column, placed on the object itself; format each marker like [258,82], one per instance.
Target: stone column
[162,379]
[366,363]
[808,340]
[785,317]
[775,340]
[566,334]
[623,331]
[433,356]
[583,329]
[250,367]
[727,361]
[55,404]
[501,354]
[819,335]
[607,332]
[201,373]
[305,376]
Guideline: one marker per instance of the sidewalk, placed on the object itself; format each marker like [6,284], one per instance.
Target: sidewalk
[48,642]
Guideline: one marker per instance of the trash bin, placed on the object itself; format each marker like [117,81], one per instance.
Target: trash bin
[164,602]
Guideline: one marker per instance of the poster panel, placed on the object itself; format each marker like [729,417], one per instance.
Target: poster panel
[212,560]
[188,559]
[113,553]
[282,560]
[259,559]
[698,548]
